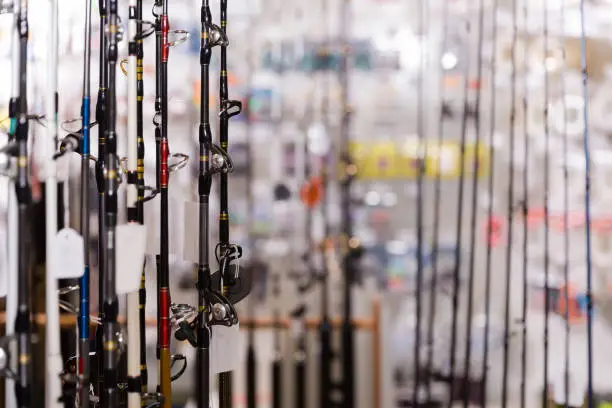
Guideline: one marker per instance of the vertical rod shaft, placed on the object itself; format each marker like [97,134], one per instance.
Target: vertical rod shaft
[350,261]
[204,187]
[111,392]
[83,325]
[133,298]
[53,352]
[142,292]
[23,325]
[102,120]
[164,275]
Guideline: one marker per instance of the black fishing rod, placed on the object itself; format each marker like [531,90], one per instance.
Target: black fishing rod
[211,36]
[325,328]
[304,283]
[277,358]
[419,214]
[102,120]
[84,363]
[459,227]
[23,324]
[225,251]
[474,204]
[163,282]
[111,306]
[350,262]
[435,267]
[525,204]
[251,358]
[490,190]
[587,203]
[142,292]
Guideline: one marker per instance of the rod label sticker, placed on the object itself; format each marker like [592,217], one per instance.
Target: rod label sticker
[225,342]
[68,258]
[130,246]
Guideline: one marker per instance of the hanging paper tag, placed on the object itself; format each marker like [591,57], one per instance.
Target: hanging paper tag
[130,245]
[152,218]
[225,342]
[3,264]
[68,260]
[191,233]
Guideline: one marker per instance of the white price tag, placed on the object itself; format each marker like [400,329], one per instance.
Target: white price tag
[225,342]
[152,219]
[130,245]
[68,258]
[191,232]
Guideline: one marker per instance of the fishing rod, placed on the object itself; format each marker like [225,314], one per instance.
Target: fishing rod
[326,353]
[23,324]
[225,251]
[163,310]
[459,228]
[423,26]
[277,358]
[251,365]
[435,267]
[211,36]
[490,190]
[545,395]
[142,292]
[13,228]
[53,352]
[111,307]
[587,202]
[102,120]
[474,204]
[83,321]
[134,387]
[350,265]
[526,153]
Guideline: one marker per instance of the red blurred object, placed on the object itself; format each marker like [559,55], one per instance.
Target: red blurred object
[311,192]
[493,230]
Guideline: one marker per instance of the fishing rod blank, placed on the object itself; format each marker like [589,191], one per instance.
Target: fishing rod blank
[23,324]
[13,228]
[102,121]
[436,221]
[142,293]
[419,213]
[474,204]
[211,37]
[587,202]
[277,362]
[163,283]
[490,190]
[134,387]
[111,307]
[350,262]
[226,252]
[83,326]
[525,208]
[53,352]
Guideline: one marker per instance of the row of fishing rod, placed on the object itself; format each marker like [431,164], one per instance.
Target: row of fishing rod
[94,375]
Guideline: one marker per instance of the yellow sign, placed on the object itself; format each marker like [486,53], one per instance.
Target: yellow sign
[387,160]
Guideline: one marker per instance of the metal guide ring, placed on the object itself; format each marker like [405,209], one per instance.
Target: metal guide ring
[145,33]
[180,163]
[157,9]
[66,122]
[180,40]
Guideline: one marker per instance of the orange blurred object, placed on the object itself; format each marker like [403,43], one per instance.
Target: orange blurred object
[311,192]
